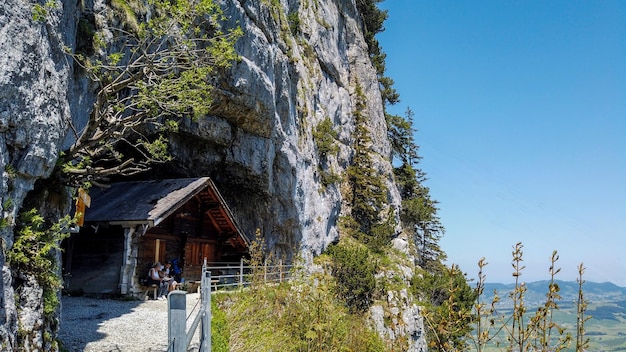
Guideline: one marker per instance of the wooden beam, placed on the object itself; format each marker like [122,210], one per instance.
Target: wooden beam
[213,221]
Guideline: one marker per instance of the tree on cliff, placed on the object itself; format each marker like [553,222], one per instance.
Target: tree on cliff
[442,291]
[156,69]
[419,210]
[368,194]
[373,20]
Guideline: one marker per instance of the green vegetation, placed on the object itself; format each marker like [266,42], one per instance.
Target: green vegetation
[34,256]
[448,301]
[311,312]
[5,217]
[373,19]
[519,329]
[34,250]
[40,13]
[294,22]
[220,334]
[145,88]
[128,11]
[325,138]
[302,315]
[293,317]
[368,221]
[271,3]
[353,267]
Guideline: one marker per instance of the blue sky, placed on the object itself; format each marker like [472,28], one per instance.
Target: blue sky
[520,108]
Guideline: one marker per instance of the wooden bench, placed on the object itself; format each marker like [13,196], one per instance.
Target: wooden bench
[154,288]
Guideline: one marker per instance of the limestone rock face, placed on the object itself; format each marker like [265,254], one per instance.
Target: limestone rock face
[34,108]
[289,79]
[404,320]
[301,63]
[34,104]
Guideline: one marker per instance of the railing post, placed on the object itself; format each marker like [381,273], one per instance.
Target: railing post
[241,273]
[265,271]
[205,339]
[176,317]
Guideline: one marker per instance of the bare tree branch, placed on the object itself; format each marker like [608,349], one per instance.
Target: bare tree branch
[164,71]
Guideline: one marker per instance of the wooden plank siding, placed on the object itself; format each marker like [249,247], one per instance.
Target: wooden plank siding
[189,235]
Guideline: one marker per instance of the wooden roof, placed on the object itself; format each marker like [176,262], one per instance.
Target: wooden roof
[151,202]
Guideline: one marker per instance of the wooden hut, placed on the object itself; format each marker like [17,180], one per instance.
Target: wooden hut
[131,225]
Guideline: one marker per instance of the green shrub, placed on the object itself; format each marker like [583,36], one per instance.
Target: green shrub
[294,22]
[382,233]
[325,136]
[448,301]
[303,315]
[33,253]
[329,177]
[354,268]
[40,13]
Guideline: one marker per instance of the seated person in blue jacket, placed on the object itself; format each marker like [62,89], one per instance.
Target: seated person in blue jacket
[155,278]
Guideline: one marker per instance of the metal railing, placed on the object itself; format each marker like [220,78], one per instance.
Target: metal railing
[230,275]
[178,336]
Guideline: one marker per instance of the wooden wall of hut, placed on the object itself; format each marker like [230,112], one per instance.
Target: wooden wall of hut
[187,235]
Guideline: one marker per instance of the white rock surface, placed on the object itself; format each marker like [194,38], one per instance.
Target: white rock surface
[257,143]
[34,108]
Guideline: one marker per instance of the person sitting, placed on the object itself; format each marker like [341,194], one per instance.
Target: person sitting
[155,279]
[167,275]
[175,271]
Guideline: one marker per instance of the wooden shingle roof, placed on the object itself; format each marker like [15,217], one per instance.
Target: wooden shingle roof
[150,202]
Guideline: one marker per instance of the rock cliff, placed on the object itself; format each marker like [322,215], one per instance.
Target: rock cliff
[301,62]
[35,76]
[271,101]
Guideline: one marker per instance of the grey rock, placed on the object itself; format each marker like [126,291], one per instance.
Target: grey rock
[34,110]
[256,143]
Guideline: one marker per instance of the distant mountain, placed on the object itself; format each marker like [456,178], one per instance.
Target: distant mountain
[535,294]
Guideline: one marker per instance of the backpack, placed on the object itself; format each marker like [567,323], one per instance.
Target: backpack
[175,268]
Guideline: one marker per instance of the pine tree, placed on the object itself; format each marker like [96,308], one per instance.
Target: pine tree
[373,19]
[368,192]
[419,210]
[400,133]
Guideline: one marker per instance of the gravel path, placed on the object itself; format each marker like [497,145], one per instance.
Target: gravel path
[100,325]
